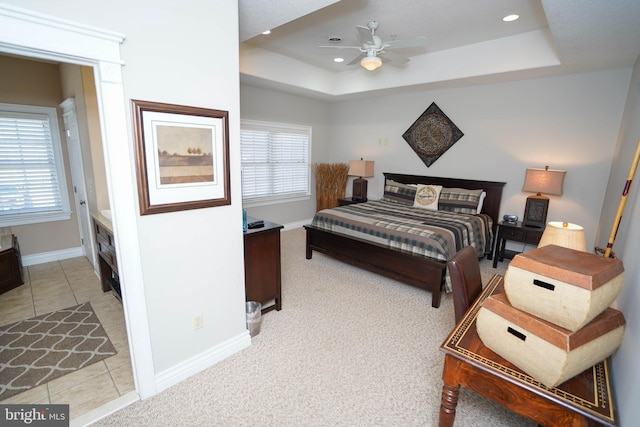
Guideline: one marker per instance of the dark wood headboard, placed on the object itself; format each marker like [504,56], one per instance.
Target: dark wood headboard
[491,205]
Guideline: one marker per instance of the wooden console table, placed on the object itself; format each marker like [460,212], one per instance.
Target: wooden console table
[584,400]
[262,268]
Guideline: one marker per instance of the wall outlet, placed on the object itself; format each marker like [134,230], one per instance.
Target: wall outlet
[197,321]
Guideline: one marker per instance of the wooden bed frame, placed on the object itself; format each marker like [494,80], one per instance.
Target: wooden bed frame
[422,272]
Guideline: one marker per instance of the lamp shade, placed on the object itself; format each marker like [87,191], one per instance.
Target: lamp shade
[361,168]
[544,181]
[371,62]
[563,234]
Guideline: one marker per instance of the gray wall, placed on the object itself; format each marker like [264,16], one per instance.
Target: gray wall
[627,246]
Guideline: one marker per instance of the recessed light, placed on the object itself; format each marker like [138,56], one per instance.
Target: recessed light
[510,18]
[338,59]
[266,33]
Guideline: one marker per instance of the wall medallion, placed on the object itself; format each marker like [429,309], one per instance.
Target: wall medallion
[432,134]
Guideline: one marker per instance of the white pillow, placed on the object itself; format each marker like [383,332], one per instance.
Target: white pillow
[427,196]
[481,202]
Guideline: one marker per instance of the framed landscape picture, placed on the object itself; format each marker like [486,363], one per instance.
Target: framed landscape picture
[182,157]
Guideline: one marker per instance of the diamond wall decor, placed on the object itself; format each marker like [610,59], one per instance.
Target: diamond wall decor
[432,134]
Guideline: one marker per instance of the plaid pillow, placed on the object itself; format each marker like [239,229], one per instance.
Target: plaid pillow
[459,200]
[396,192]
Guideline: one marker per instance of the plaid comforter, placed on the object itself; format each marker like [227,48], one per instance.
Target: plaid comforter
[434,234]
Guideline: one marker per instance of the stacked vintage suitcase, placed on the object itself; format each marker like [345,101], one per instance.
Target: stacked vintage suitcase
[554,319]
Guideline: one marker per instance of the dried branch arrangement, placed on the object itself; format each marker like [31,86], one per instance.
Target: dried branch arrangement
[331,183]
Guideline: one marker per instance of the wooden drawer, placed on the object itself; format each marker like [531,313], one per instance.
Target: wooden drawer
[107,258]
[511,234]
[104,233]
[107,252]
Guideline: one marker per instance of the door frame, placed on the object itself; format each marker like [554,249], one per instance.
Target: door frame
[33,34]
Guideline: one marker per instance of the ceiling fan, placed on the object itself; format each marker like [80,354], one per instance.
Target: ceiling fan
[373,51]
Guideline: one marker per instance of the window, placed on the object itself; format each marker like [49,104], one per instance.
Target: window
[275,161]
[33,187]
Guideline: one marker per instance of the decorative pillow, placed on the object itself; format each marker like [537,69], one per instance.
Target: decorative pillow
[427,196]
[396,192]
[459,200]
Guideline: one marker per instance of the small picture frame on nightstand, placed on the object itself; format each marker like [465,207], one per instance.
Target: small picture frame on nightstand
[535,212]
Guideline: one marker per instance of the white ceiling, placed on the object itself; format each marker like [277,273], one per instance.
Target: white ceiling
[467,42]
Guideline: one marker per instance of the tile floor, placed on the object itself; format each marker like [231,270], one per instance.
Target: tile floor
[55,285]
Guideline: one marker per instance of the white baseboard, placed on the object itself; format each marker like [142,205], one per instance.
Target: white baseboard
[196,364]
[43,257]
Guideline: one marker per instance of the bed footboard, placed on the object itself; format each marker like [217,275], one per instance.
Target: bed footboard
[414,270]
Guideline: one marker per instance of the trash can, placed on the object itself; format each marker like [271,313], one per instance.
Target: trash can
[254,317]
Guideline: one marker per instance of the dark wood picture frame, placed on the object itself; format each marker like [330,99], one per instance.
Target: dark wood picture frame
[173,141]
[535,211]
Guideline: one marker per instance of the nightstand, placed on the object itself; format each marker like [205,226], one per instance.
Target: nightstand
[350,201]
[515,232]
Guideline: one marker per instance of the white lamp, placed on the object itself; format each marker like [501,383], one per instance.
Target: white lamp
[563,234]
[371,61]
[362,169]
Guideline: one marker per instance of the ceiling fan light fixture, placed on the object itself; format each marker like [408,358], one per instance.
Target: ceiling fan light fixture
[371,62]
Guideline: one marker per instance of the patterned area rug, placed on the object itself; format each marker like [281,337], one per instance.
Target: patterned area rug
[40,349]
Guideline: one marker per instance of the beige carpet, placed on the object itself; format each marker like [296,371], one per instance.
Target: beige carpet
[348,348]
[40,349]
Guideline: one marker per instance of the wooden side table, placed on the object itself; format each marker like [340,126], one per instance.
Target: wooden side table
[349,201]
[262,267]
[585,400]
[10,263]
[516,232]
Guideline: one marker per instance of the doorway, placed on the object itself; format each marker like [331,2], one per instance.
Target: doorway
[21,34]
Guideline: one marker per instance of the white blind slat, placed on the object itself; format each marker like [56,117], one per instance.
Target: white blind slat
[29,175]
[275,160]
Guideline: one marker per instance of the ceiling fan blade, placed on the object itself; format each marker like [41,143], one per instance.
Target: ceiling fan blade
[365,34]
[393,58]
[357,59]
[400,44]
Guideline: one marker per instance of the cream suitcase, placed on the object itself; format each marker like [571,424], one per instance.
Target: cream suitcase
[546,352]
[564,286]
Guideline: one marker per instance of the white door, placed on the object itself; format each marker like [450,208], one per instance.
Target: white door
[77,176]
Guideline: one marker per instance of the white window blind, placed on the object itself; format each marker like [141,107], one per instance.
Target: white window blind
[275,161]
[32,183]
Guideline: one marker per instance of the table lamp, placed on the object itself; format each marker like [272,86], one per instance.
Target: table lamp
[362,169]
[547,181]
[563,234]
